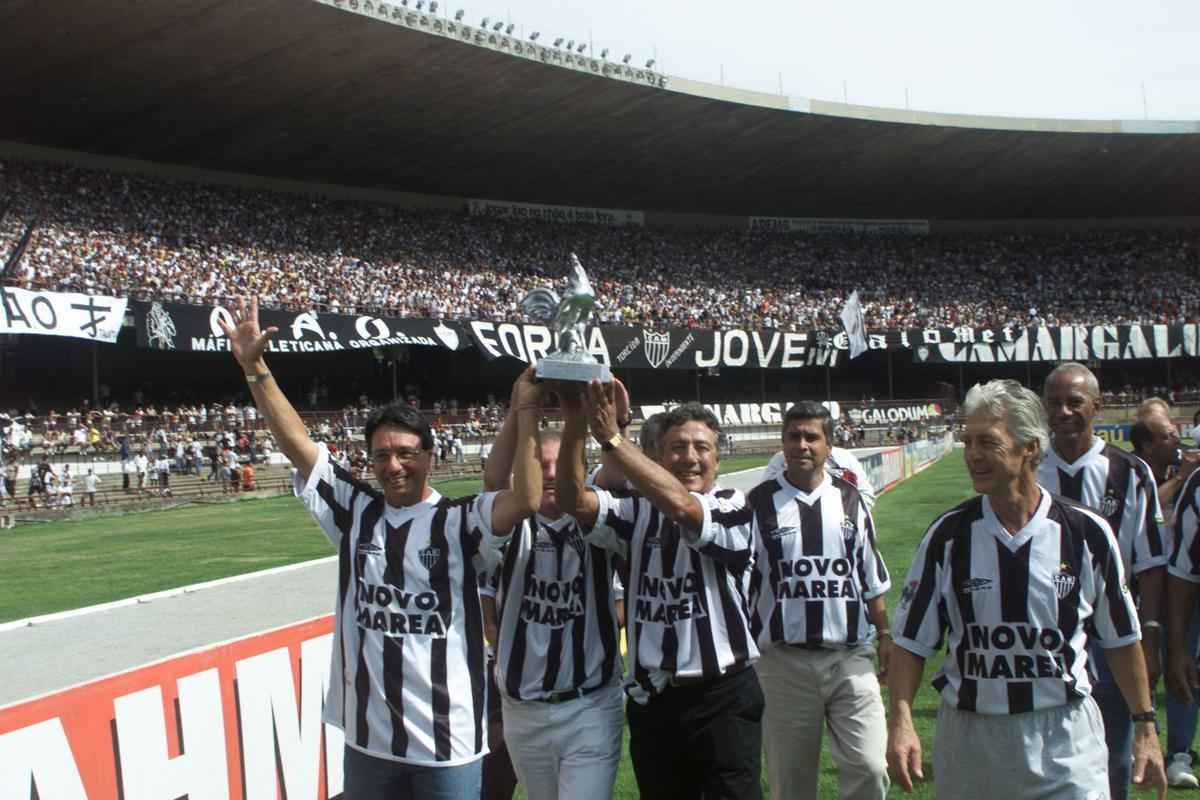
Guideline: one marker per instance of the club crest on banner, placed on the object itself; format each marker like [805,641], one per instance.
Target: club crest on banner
[160,328]
[657,346]
[446,335]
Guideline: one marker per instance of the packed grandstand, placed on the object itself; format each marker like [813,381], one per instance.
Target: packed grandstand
[99,232]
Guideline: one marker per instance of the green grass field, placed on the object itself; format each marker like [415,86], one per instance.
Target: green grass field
[57,566]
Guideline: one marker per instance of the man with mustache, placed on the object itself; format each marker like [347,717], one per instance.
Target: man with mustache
[695,706]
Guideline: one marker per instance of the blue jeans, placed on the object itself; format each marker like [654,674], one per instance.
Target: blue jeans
[370,778]
[1181,718]
[1118,727]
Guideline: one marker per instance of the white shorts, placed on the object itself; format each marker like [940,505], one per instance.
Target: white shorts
[1056,752]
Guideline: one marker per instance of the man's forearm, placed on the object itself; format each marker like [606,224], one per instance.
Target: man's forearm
[569,488]
[497,473]
[285,424]
[658,485]
[877,612]
[1151,585]
[1181,604]
[904,678]
[527,473]
[1129,669]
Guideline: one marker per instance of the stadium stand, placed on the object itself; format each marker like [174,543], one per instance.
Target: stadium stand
[103,232]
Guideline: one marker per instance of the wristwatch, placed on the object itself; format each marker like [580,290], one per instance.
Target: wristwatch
[1144,716]
[608,445]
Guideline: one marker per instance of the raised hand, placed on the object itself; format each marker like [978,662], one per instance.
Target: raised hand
[246,341]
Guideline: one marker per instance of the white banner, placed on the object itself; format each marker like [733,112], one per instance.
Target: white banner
[591,216]
[80,316]
[875,227]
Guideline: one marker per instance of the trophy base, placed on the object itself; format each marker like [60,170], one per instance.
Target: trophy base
[550,369]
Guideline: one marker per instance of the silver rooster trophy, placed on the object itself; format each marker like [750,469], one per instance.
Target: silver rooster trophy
[567,317]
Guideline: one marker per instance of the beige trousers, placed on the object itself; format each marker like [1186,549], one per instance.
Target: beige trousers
[807,690]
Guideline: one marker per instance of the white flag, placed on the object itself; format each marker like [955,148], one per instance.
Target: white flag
[855,325]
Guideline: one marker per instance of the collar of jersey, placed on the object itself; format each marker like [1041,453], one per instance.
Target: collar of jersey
[1077,464]
[1018,539]
[416,508]
[808,498]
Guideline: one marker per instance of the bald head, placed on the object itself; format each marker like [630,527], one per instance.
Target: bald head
[1070,372]
[1154,406]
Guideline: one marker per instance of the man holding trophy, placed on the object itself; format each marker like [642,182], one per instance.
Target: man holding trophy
[695,706]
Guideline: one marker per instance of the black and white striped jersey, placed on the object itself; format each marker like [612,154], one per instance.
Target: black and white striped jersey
[816,565]
[557,618]
[1185,550]
[407,675]
[1121,488]
[841,464]
[1019,608]
[687,599]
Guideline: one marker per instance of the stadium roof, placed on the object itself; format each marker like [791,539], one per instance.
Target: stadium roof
[372,97]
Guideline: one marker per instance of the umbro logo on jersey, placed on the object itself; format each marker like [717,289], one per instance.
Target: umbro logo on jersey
[369,549]
[849,526]
[1108,506]
[430,556]
[779,533]
[976,584]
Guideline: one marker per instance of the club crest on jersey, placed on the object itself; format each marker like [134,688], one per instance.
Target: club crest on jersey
[1064,581]
[577,543]
[909,593]
[1108,506]
[430,556]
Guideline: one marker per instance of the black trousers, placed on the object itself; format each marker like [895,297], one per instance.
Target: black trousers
[700,742]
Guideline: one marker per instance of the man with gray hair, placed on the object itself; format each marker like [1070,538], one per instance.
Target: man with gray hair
[1022,582]
[1083,467]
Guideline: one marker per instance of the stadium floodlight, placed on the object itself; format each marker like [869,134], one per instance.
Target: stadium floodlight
[558,42]
[433,7]
[533,37]
[650,63]
[581,47]
[485,22]
[498,26]
[571,45]
[508,31]
[458,15]
[604,53]
[628,56]
[420,4]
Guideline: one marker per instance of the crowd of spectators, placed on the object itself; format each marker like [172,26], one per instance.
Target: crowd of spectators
[102,232]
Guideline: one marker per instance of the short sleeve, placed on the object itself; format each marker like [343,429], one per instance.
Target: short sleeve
[617,517]
[1114,615]
[1185,555]
[1146,517]
[329,494]
[918,625]
[874,573]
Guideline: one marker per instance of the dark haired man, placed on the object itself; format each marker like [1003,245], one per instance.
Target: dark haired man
[818,597]
[407,672]
[695,706]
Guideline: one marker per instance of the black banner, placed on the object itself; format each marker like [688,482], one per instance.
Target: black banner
[1074,343]
[187,328]
[174,326]
[676,348]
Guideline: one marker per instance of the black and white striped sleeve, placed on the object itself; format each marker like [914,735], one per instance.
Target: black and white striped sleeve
[874,574]
[616,519]
[1185,554]
[1149,548]
[488,546]
[1114,615]
[920,621]
[726,532]
[329,495]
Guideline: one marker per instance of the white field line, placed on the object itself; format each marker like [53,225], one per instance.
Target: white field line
[149,598]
